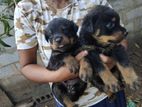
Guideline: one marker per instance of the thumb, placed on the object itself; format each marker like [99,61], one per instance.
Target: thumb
[81,55]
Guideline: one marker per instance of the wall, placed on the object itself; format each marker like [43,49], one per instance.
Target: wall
[130,12]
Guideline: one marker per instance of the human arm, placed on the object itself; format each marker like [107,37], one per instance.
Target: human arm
[26,41]
[31,70]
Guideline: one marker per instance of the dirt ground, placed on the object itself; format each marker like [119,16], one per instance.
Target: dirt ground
[135,54]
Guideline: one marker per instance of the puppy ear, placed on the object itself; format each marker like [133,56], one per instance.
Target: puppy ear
[87,25]
[75,27]
[46,35]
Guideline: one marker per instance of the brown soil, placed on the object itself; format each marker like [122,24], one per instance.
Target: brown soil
[135,54]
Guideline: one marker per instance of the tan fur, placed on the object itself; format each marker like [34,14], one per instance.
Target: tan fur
[108,78]
[118,36]
[68,102]
[85,71]
[109,94]
[72,64]
[128,74]
[65,41]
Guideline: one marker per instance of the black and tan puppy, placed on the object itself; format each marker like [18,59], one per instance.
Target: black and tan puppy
[101,32]
[62,35]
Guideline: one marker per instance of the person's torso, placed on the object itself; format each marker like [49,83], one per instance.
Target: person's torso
[42,15]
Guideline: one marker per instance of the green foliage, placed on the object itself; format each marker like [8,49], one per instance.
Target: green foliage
[130,103]
[8,2]
[5,18]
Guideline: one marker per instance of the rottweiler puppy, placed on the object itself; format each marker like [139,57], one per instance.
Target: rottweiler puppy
[101,32]
[62,35]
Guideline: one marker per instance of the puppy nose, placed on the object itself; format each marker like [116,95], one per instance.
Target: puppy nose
[125,33]
[58,39]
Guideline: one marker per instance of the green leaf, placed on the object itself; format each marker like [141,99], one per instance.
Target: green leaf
[6,24]
[4,44]
[130,103]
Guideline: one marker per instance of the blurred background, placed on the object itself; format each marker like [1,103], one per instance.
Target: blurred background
[17,91]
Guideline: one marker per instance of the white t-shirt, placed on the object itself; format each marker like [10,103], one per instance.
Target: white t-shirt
[31,17]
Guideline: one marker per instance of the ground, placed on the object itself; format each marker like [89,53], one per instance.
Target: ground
[135,54]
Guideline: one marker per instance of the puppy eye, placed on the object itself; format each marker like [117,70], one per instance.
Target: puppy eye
[110,25]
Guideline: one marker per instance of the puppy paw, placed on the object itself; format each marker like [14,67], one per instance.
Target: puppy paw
[111,83]
[130,78]
[85,71]
[72,64]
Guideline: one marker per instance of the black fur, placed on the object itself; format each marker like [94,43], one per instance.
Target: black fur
[101,18]
[63,34]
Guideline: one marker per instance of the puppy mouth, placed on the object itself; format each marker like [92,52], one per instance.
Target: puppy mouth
[61,46]
[64,46]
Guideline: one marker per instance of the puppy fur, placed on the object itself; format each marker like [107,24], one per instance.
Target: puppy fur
[62,35]
[101,30]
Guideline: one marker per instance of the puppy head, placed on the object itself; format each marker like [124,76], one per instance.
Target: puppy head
[61,33]
[103,24]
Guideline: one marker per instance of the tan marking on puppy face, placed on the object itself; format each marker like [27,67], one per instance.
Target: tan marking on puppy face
[116,37]
[72,41]
[128,74]
[105,38]
[54,45]
[85,72]
[65,40]
[96,33]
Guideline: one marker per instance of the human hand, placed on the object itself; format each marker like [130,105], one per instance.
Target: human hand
[110,62]
[80,55]
[65,72]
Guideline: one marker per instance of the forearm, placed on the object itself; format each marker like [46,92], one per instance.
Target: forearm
[40,74]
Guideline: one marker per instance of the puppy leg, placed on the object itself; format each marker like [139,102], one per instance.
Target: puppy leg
[71,63]
[109,79]
[116,72]
[129,76]
[102,70]
[68,102]
[85,72]
[60,92]
[126,70]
